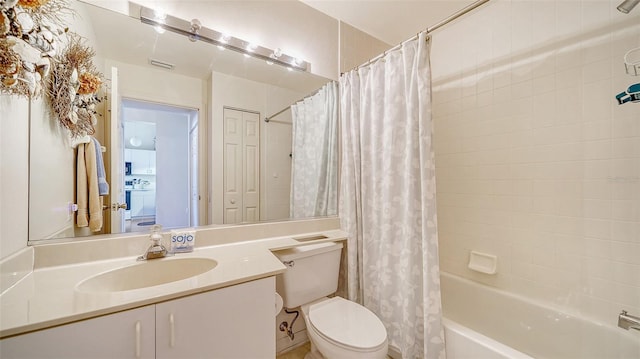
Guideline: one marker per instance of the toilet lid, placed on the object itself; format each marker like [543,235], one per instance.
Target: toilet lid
[347,323]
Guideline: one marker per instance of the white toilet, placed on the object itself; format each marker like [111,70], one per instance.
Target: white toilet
[338,328]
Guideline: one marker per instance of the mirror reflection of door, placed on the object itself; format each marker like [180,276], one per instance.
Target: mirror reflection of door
[160,179]
[241,166]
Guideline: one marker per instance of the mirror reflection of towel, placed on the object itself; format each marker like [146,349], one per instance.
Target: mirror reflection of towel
[103,186]
[87,194]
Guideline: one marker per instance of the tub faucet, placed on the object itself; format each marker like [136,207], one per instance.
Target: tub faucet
[627,321]
[156,249]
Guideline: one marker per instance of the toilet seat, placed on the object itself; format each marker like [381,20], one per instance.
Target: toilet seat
[347,324]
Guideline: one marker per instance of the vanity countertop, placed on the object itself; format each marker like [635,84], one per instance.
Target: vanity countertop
[47,296]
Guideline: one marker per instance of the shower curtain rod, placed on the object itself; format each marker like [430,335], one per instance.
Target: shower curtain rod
[429,30]
[268,118]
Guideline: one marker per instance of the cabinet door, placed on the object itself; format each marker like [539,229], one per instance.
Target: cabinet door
[143,162]
[139,161]
[149,206]
[129,334]
[232,322]
[137,203]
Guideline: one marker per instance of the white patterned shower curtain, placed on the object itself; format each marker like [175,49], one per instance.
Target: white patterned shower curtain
[314,167]
[388,197]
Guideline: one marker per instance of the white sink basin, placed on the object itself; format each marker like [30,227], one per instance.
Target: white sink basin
[148,274]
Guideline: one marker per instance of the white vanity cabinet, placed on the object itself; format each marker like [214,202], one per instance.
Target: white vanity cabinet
[128,334]
[137,203]
[143,162]
[143,203]
[231,322]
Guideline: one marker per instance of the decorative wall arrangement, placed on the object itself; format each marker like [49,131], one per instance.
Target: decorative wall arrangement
[38,55]
[73,86]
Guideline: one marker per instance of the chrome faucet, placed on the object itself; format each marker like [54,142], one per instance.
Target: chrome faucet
[156,249]
[627,321]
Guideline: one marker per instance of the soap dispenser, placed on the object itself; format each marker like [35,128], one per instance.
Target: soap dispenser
[156,250]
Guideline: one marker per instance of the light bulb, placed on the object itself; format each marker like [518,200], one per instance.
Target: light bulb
[160,15]
[135,141]
[269,61]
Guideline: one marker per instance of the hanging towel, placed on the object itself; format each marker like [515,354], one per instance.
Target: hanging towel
[103,186]
[87,194]
[74,142]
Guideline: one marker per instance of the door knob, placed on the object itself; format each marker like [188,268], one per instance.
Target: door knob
[116,206]
[233,201]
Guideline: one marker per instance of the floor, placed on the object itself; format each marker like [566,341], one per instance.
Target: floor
[300,352]
[139,224]
[297,353]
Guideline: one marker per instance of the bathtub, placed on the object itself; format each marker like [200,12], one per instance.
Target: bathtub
[485,323]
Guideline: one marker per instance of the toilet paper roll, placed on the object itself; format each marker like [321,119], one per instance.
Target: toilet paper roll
[279,303]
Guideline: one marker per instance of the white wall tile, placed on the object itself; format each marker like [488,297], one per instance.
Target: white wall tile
[546,171]
[626,252]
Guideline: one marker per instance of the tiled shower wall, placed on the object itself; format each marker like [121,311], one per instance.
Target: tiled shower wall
[536,161]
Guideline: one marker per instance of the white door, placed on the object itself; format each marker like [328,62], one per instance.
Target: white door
[251,167]
[241,166]
[118,203]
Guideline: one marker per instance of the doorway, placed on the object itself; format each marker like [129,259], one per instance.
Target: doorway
[160,162]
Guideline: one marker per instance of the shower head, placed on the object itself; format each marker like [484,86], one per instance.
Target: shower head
[627,6]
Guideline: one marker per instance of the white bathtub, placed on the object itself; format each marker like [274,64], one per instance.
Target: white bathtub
[484,323]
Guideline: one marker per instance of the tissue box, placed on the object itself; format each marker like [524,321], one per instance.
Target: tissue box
[183,241]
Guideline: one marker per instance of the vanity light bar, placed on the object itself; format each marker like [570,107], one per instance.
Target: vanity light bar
[194,31]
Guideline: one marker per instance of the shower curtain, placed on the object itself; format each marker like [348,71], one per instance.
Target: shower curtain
[314,167]
[387,198]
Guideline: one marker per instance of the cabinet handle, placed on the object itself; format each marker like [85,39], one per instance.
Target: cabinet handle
[172,332]
[138,339]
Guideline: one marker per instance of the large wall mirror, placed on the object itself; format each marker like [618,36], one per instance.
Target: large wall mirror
[183,138]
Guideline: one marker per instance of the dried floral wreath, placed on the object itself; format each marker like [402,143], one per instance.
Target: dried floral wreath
[32,62]
[73,88]
[29,37]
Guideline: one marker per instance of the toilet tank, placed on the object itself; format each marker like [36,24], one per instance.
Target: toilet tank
[312,273]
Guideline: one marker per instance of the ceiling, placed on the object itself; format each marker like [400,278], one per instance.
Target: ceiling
[391,21]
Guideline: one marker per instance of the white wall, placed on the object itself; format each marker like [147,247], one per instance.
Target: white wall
[52,185]
[162,86]
[14,174]
[276,164]
[357,47]
[249,95]
[536,162]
